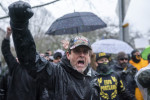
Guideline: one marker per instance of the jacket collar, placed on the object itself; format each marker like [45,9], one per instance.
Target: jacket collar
[65,63]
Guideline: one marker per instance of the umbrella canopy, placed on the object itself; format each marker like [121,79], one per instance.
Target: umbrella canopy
[111,46]
[76,22]
[145,53]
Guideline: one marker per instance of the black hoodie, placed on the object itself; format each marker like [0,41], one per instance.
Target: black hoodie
[20,85]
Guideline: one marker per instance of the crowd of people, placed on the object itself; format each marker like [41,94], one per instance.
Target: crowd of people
[77,74]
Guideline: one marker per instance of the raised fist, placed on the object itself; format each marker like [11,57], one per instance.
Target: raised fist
[20,11]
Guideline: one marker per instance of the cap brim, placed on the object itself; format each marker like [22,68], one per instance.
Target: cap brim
[102,57]
[73,47]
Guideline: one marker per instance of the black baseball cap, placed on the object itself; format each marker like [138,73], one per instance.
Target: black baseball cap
[101,55]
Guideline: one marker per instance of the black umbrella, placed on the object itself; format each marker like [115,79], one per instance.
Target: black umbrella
[76,22]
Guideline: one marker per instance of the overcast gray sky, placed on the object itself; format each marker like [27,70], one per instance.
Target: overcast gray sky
[102,8]
[138,15]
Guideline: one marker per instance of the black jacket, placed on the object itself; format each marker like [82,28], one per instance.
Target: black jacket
[4,81]
[62,81]
[21,86]
[127,76]
[65,83]
[112,87]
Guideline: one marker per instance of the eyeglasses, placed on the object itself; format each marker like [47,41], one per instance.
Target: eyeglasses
[123,59]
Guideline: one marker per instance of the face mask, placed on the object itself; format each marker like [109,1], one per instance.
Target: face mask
[102,67]
[136,58]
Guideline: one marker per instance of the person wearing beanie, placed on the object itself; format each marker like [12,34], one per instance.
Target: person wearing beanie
[126,72]
[57,57]
[138,62]
[110,84]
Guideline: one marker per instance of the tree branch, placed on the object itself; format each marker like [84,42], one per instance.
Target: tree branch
[35,7]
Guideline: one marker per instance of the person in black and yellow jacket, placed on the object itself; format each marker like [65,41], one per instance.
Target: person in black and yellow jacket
[110,84]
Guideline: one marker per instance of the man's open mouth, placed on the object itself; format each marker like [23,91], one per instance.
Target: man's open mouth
[81,62]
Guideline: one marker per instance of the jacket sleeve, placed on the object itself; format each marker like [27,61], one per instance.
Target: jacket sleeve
[24,45]
[9,58]
[20,12]
[26,52]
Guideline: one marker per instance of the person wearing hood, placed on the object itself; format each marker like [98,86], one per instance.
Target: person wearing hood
[110,84]
[143,80]
[72,78]
[126,72]
[138,62]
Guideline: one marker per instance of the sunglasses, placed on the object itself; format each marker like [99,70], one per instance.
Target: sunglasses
[137,55]
[123,59]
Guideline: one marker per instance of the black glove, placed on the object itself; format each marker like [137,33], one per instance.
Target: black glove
[20,12]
